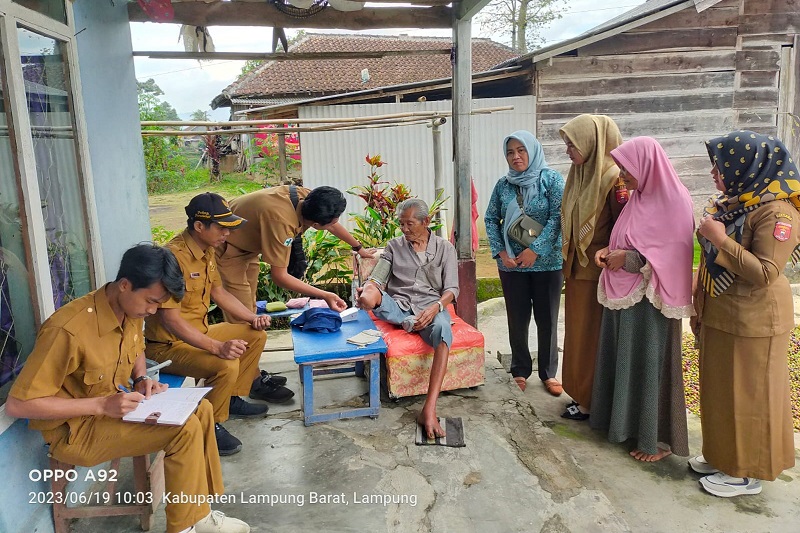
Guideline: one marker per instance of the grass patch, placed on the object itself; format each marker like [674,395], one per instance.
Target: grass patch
[691,375]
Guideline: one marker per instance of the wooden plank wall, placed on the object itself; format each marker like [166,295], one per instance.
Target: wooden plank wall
[682,79]
[767,31]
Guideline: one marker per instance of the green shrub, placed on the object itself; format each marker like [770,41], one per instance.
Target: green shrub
[489,288]
[162,235]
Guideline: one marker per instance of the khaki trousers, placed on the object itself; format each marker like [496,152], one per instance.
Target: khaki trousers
[191,462]
[239,272]
[228,377]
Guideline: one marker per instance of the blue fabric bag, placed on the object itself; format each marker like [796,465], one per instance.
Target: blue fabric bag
[319,319]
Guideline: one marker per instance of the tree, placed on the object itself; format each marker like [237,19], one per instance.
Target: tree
[149,87]
[521,20]
[200,115]
[157,150]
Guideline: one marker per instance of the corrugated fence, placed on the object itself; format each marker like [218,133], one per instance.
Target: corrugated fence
[338,158]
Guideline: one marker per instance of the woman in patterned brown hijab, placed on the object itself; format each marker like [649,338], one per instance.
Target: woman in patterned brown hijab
[588,211]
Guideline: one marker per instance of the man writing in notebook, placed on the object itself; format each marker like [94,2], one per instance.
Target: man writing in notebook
[224,355]
[412,284]
[84,354]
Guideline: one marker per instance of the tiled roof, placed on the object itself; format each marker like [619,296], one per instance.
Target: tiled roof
[318,77]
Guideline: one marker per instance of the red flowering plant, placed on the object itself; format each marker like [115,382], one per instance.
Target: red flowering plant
[378,224]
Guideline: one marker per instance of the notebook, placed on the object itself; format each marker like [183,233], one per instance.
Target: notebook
[169,408]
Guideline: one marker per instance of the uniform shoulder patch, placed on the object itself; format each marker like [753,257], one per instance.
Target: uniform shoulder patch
[288,241]
[782,231]
[783,215]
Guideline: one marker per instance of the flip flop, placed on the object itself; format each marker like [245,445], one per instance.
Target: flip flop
[573,413]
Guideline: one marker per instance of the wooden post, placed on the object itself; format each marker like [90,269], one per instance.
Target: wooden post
[282,156]
[462,106]
[438,185]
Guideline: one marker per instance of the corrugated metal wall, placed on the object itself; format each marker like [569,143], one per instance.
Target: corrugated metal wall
[337,158]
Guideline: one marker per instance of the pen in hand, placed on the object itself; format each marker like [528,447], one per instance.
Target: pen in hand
[126,390]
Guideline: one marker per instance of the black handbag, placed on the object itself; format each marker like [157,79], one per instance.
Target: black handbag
[297,259]
[524,230]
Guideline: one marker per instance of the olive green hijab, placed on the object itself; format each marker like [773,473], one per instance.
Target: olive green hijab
[588,184]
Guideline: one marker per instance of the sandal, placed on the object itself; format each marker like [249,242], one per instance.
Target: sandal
[553,387]
[573,413]
[521,382]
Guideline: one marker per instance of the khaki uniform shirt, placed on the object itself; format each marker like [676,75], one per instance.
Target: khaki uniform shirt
[416,284]
[81,351]
[272,223]
[602,233]
[759,301]
[200,273]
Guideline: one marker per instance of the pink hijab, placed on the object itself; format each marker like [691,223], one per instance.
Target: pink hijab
[658,222]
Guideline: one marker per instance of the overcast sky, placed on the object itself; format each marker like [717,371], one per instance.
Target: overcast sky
[189,85]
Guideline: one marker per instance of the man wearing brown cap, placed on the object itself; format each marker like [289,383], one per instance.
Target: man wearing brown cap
[224,355]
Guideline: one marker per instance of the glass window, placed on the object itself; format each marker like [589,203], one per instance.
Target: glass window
[47,92]
[17,324]
[51,8]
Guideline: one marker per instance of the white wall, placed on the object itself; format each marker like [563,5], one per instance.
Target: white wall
[337,158]
[112,118]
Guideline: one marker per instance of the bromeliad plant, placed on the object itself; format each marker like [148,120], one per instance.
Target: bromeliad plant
[378,224]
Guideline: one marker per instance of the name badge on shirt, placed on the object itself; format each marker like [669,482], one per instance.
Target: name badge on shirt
[782,231]
[194,275]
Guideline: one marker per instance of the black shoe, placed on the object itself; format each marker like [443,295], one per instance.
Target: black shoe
[275,378]
[227,444]
[573,413]
[265,389]
[243,409]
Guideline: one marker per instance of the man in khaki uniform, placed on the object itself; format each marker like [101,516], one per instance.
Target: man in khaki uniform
[274,223]
[84,354]
[224,355]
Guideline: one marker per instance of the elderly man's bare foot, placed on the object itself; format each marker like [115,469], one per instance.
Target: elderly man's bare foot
[430,422]
[650,457]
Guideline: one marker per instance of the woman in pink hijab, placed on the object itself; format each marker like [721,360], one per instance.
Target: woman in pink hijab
[645,289]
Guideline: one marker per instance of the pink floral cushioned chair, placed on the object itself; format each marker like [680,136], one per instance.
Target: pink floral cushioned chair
[408,359]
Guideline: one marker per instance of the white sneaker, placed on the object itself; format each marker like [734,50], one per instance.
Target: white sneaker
[699,465]
[217,522]
[726,486]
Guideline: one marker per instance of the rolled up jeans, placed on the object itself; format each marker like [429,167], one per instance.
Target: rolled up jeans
[435,333]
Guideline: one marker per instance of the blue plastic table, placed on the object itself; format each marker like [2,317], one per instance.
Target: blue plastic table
[314,349]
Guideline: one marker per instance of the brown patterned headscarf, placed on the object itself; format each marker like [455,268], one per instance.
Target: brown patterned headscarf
[588,184]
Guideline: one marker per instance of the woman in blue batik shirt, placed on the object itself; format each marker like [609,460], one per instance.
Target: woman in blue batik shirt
[531,277]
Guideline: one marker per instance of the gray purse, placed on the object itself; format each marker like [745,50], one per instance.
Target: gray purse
[524,230]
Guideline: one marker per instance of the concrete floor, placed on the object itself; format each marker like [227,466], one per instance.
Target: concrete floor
[524,468]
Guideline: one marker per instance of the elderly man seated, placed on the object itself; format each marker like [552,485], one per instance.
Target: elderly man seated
[412,284]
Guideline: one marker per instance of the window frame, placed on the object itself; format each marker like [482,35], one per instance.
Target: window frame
[13,16]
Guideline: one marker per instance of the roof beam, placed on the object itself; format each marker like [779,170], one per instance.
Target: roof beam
[290,56]
[264,14]
[466,9]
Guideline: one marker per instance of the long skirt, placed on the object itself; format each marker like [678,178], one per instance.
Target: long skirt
[745,404]
[582,316]
[638,383]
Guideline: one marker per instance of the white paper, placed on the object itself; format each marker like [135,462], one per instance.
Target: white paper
[175,405]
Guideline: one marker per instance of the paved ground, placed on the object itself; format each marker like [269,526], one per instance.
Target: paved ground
[524,469]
